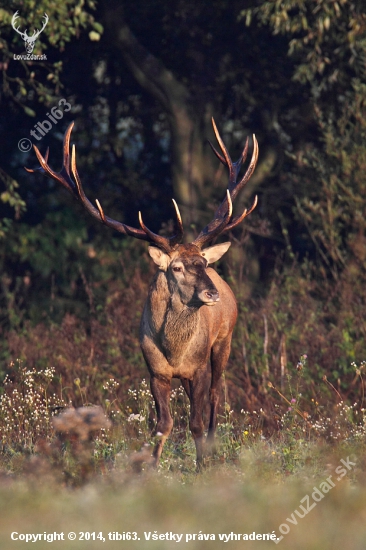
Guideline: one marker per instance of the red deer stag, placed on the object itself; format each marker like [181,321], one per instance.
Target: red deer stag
[190,312]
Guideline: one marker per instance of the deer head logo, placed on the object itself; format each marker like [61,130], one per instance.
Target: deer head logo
[29,40]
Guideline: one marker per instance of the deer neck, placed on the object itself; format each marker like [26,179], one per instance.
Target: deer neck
[181,323]
[175,323]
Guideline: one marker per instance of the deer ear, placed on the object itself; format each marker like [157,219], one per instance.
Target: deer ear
[159,257]
[214,253]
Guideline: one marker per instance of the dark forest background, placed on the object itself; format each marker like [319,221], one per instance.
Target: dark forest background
[143,80]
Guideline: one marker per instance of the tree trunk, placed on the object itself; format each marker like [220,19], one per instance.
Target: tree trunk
[193,164]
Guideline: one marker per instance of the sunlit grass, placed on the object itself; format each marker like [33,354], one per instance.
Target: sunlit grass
[239,499]
[82,475]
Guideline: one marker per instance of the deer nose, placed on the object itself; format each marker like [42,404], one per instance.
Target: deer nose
[212,295]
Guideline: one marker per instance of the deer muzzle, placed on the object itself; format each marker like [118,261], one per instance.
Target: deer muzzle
[209,297]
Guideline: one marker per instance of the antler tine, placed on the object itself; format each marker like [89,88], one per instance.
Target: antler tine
[64,175]
[221,143]
[239,219]
[178,237]
[45,159]
[66,149]
[234,167]
[217,225]
[226,159]
[250,169]
[162,242]
[243,156]
[101,211]
[166,243]
[220,157]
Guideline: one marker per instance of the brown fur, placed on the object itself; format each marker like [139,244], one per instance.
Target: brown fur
[180,334]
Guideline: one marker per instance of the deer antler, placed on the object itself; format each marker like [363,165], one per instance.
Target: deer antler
[76,189]
[222,221]
[223,216]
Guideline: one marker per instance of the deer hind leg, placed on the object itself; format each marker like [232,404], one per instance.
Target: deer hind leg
[219,357]
[160,389]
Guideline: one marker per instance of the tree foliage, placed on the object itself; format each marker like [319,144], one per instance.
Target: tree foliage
[25,85]
[327,40]
[143,81]
[26,82]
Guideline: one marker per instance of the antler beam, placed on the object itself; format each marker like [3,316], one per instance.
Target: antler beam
[76,189]
[222,222]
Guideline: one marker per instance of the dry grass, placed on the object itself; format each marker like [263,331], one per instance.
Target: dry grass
[292,409]
[223,500]
[78,473]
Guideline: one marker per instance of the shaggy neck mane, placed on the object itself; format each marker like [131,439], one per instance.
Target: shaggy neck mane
[178,322]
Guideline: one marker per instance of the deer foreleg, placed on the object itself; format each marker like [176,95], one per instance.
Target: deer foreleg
[198,388]
[160,388]
[219,358]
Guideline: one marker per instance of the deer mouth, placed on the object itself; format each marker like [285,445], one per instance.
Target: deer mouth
[209,297]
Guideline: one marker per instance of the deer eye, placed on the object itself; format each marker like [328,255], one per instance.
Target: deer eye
[177,269]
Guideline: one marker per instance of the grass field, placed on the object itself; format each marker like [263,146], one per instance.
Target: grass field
[304,484]
[227,500]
